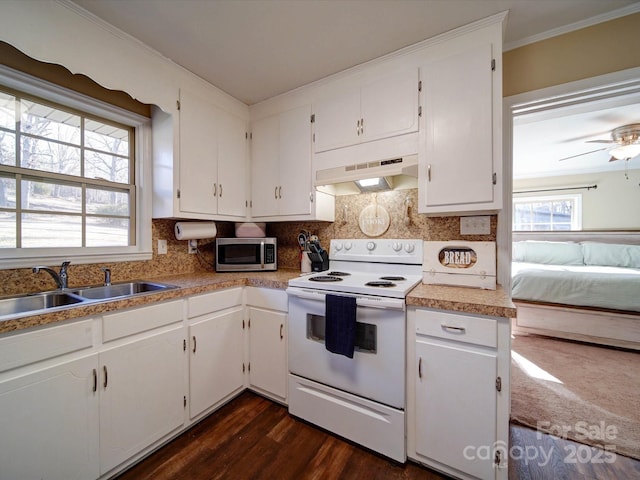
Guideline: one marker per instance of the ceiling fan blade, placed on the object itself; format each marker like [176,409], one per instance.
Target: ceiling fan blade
[581,154]
[600,141]
[613,159]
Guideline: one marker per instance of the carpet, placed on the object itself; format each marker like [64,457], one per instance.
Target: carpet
[586,393]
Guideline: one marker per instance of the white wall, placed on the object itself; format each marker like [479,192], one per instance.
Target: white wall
[614,205]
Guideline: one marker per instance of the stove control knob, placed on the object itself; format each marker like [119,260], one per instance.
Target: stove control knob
[338,246]
[371,246]
[409,247]
[347,246]
[397,246]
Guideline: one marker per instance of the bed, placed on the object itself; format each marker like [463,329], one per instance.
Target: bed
[588,291]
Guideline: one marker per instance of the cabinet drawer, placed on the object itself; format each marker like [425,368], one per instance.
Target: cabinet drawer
[458,327]
[213,302]
[122,324]
[269,298]
[48,342]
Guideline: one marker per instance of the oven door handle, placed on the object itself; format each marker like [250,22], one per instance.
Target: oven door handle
[361,301]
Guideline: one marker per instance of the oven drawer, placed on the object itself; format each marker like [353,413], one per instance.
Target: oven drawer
[458,327]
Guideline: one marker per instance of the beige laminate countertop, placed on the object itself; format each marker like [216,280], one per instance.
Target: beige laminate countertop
[494,303]
[468,300]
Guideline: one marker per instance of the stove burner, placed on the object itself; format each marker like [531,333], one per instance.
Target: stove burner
[380,284]
[325,278]
[338,274]
[393,278]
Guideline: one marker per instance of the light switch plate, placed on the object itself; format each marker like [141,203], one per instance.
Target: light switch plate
[478,225]
[162,247]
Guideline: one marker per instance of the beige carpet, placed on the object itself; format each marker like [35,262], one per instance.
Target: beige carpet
[582,392]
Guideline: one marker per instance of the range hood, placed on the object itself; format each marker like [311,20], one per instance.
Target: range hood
[407,165]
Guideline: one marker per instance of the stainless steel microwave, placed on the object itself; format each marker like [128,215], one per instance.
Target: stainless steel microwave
[246,254]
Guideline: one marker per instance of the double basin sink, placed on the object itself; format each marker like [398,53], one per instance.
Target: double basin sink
[41,302]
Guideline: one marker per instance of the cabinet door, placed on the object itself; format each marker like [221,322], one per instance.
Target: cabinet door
[141,395]
[198,154]
[232,165]
[457,148]
[49,423]
[336,120]
[455,406]
[216,360]
[265,153]
[390,106]
[268,347]
[295,162]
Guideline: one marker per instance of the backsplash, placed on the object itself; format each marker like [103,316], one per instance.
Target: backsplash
[348,208]
[178,260]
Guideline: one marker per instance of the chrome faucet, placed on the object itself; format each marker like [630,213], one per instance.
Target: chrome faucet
[107,276]
[60,278]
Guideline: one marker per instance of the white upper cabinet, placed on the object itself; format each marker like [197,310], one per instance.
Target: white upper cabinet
[281,184]
[202,171]
[379,108]
[460,142]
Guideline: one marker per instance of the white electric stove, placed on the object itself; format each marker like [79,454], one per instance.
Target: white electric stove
[360,398]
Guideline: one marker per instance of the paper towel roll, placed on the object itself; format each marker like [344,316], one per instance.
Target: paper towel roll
[195,230]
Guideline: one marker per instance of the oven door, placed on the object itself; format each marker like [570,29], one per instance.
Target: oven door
[377,368]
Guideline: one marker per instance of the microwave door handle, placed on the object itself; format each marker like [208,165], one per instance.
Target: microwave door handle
[262,255]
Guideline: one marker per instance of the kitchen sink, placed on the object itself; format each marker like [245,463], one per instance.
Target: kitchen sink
[125,289]
[15,306]
[36,301]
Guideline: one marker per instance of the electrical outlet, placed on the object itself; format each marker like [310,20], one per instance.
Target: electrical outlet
[193,246]
[162,247]
[479,225]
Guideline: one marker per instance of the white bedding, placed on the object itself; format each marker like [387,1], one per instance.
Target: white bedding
[580,285]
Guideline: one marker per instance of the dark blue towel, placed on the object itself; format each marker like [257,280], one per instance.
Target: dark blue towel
[340,325]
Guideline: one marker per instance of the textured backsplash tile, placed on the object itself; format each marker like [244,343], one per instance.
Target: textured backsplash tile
[178,260]
[398,203]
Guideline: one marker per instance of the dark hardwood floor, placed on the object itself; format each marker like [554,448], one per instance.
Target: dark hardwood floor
[254,438]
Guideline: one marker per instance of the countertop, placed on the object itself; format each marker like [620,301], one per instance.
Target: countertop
[467,300]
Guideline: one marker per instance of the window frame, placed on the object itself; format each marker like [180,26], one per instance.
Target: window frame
[141,206]
[576,214]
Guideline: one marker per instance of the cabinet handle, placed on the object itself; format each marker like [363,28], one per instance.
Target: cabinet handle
[311,197]
[275,192]
[429,172]
[281,335]
[362,126]
[453,329]
[220,190]
[194,343]
[280,191]
[106,377]
[95,380]
[215,189]
[420,368]
[358,127]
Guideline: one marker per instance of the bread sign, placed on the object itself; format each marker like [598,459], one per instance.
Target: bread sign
[457,257]
[460,263]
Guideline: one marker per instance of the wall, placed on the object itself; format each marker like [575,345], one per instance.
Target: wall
[603,48]
[348,208]
[550,62]
[611,206]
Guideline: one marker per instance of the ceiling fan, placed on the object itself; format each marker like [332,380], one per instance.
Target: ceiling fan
[626,140]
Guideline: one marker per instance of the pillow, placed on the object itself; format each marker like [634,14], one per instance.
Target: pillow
[550,253]
[611,254]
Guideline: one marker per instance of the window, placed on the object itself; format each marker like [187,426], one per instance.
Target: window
[550,213]
[68,176]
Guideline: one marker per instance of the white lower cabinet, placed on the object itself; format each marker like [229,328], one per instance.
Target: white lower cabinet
[141,394]
[267,317]
[49,422]
[216,353]
[458,393]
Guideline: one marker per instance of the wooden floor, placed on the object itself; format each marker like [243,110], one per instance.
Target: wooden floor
[254,438]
